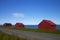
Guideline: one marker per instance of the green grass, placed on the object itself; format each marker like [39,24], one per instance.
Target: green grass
[38,30]
[4,36]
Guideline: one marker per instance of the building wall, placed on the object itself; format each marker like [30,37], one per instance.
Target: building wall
[46,26]
[17,25]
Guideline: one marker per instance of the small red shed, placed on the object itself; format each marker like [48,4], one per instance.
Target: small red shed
[19,25]
[7,24]
[47,25]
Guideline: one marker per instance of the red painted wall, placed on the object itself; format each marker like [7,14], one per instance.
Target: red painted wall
[19,25]
[45,25]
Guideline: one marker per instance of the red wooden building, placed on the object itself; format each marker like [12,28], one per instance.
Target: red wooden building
[7,24]
[47,25]
[19,25]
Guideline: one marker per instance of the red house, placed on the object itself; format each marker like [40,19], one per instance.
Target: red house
[47,25]
[19,25]
[7,24]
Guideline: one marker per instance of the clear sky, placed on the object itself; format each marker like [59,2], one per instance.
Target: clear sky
[29,11]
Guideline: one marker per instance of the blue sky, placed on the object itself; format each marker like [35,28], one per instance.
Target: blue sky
[29,11]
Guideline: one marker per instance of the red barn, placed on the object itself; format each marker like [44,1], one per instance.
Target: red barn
[19,25]
[7,24]
[47,25]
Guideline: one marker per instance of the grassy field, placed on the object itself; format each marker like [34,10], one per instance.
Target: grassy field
[36,30]
[39,30]
[4,36]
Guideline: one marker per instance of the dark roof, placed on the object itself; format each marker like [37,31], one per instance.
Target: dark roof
[19,23]
[7,23]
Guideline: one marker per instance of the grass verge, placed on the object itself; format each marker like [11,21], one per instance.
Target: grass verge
[4,36]
[36,30]
[39,30]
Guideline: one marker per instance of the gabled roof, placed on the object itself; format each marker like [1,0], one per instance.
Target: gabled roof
[50,22]
[19,23]
[8,23]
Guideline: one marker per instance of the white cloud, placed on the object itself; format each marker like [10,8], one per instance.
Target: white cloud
[1,19]
[18,15]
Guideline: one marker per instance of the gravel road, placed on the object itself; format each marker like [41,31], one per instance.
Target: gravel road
[31,35]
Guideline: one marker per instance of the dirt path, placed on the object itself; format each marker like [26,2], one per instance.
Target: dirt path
[31,35]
